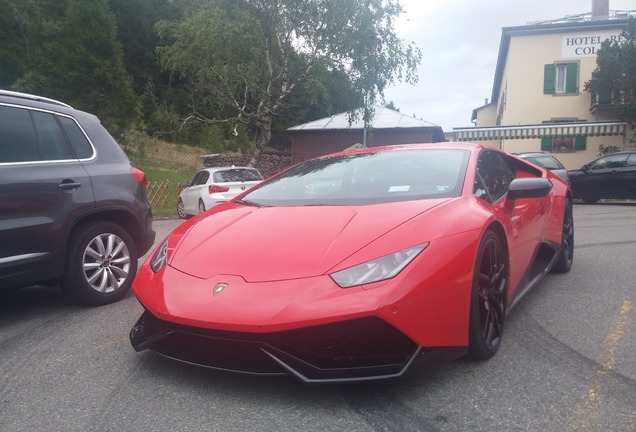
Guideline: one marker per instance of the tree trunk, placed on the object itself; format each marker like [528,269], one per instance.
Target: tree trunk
[263,138]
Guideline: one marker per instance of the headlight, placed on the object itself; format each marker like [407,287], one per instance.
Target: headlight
[160,258]
[378,269]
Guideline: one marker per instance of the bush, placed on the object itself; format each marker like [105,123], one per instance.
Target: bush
[138,146]
[605,150]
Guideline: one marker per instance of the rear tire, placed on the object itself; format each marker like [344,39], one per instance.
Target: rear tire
[566,252]
[181,210]
[488,298]
[101,264]
[201,207]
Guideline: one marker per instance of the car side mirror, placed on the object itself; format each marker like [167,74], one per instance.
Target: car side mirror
[529,188]
[585,168]
[184,184]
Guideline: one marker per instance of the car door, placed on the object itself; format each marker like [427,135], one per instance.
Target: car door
[626,187]
[521,218]
[602,178]
[190,195]
[43,186]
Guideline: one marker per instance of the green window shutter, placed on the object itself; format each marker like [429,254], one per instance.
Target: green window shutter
[580,142]
[571,78]
[546,144]
[549,76]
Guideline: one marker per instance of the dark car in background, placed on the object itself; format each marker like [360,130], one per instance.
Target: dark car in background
[608,177]
[547,161]
[73,208]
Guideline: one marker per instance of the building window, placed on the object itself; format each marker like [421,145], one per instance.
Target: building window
[561,78]
[563,144]
[561,73]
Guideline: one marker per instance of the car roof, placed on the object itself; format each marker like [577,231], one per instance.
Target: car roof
[531,154]
[225,168]
[31,97]
[623,152]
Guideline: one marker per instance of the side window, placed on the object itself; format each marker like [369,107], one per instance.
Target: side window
[195,179]
[611,161]
[493,176]
[204,177]
[200,178]
[81,145]
[631,161]
[18,141]
[53,145]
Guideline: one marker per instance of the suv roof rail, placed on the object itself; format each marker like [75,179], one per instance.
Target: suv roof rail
[33,97]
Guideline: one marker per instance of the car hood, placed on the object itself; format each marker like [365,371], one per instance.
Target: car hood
[282,243]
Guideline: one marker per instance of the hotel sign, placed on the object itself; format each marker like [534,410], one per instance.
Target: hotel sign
[586,44]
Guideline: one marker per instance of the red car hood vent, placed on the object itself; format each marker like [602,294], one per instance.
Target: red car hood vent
[282,243]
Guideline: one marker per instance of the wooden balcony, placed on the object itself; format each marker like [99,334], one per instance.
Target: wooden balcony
[604,102]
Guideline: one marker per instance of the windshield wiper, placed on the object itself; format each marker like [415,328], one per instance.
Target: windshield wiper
[247,203]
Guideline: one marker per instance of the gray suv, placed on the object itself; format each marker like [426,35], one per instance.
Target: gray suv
[73,208]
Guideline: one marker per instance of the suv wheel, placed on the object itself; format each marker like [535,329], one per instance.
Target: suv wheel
[100,265]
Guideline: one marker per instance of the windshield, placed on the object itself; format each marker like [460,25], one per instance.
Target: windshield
[367,178]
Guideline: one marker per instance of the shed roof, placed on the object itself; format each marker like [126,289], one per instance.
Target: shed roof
[383,118]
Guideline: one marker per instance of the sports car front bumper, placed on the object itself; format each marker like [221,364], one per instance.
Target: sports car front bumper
[354,350]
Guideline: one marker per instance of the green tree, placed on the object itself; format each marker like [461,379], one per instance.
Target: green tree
[68,50]
[21,36]
[614,79]
[85,67]
[245,59]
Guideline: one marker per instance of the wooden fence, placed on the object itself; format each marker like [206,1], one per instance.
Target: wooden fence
[159,193]
[187,159]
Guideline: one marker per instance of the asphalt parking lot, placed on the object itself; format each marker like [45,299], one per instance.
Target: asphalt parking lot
[567,363]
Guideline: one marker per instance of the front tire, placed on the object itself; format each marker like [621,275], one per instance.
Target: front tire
[566,253]
[488,298]
[100,265]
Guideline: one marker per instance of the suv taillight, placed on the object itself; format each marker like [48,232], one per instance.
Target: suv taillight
[216,189]
[139,176]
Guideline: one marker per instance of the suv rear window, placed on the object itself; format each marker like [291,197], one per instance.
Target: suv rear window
[81,145]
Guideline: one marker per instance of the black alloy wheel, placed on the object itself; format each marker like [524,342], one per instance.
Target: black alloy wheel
[566,253]
[488,298]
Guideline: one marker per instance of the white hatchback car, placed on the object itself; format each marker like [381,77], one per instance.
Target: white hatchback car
[212,186]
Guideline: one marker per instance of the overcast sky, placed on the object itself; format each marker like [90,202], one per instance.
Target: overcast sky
[459,40]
